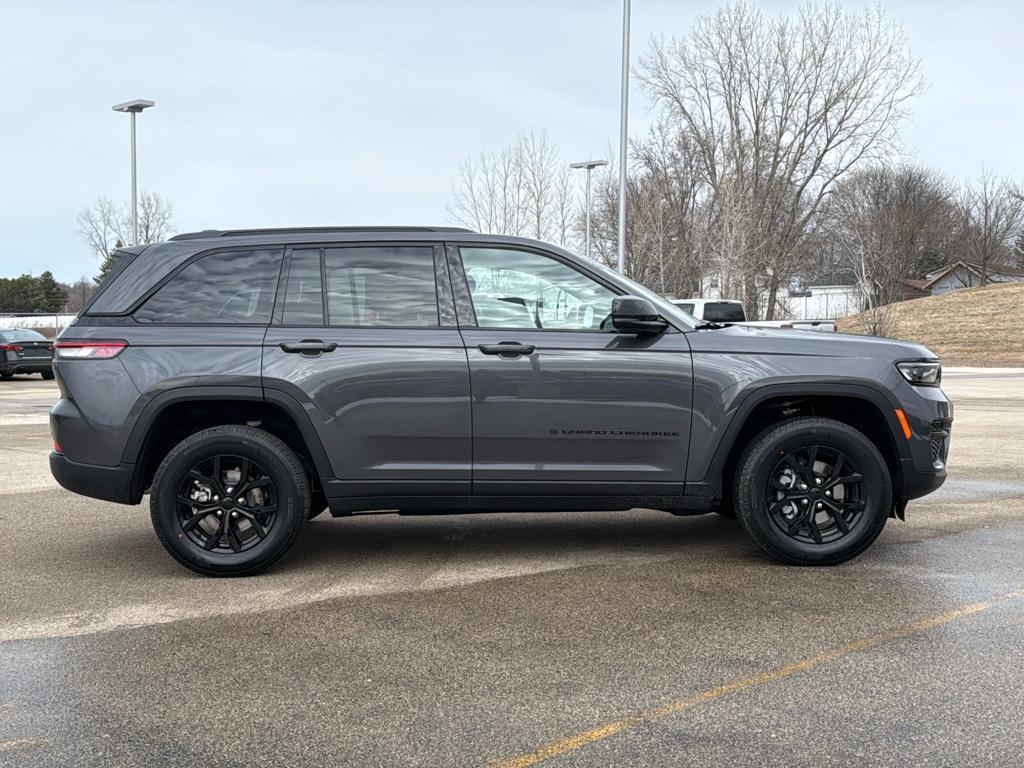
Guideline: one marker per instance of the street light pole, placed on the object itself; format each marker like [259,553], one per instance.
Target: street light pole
[588,165]
[133,108]
[623,121]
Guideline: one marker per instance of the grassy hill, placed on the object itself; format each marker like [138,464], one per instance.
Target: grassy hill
[976,326]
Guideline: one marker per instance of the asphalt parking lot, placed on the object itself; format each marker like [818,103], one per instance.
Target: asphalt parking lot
[606,639]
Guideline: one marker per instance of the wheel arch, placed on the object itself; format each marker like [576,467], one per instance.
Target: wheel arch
[860,405]
[173,415]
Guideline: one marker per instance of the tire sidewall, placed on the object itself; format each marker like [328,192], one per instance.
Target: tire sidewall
[163,504]
[752,491]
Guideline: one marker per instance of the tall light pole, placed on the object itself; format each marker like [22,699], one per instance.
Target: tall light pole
[133,108]
[589,165]
[623,121]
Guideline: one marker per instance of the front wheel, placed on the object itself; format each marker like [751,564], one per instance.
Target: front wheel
[813,492]
[229,500]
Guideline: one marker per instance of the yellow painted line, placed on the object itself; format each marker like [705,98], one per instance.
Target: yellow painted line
[9,746]
[602,732]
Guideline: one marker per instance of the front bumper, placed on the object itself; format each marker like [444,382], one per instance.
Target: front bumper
[930,415]
[107,483]
[917,483]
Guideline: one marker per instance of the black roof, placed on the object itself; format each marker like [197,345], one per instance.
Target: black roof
[212,233]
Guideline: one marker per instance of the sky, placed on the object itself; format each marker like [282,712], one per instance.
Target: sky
[358,112]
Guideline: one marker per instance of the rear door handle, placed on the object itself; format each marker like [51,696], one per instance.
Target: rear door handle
[309,346]
[507,349]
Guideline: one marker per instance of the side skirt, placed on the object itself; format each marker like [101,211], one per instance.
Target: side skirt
[443,505]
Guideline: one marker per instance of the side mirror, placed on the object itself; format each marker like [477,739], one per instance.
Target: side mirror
[631,314]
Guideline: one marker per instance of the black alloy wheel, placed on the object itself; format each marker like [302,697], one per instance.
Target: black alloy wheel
[812,491]
[227,504]
[814,494]
[229,500]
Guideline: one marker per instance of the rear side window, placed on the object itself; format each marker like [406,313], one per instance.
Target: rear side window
[304,300]
[235,287]
[724,312]
[390,286]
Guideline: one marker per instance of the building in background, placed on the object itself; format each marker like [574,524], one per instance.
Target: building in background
[962,274]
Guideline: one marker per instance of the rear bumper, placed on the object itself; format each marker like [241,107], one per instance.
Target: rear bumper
[35,366]
[107,483]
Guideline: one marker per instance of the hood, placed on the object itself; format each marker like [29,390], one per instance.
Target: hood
[756,340]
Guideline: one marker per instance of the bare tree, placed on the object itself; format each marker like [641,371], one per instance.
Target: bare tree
[79,292]
[992,217]
[777,112]
[156,218]
[104,224]
[100,226]
[524,189]
[887,224]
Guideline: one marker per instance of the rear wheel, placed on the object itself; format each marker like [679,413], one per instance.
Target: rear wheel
[229,501]
[813,492]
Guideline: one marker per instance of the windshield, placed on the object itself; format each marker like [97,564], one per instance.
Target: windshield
[22,334]
[724,312]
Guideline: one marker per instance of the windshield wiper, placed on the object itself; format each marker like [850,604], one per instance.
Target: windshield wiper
[708,325]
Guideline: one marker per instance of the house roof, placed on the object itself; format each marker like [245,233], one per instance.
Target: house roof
[996,270]
[914,283]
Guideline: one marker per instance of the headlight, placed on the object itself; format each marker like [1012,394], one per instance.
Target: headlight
[922,374]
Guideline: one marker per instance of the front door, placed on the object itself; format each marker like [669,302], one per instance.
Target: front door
[363,342]
[563,404]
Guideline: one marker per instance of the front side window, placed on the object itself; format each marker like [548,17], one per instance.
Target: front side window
[234,287]
[519,289]
[385,286]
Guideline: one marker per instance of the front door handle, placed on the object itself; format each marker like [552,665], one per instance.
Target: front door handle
[309,346]
[507,349]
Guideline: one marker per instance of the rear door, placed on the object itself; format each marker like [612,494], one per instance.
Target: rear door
[366,340]
[562,404]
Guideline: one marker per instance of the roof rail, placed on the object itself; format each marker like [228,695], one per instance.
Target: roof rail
[207,233]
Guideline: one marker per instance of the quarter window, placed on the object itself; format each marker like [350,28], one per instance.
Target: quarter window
[381,286]
[519,289]
[235,287]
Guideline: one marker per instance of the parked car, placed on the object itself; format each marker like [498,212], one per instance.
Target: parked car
[249,379]
[731,312]
[23,350]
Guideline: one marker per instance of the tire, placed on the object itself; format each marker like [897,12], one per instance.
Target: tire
[213,535]
[803,460]
[48,375]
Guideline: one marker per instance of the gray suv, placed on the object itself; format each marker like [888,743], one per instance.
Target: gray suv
[250,379]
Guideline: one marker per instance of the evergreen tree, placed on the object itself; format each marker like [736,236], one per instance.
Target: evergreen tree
[49,295]
[108,262]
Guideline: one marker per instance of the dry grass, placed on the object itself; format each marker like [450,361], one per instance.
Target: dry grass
[976,326]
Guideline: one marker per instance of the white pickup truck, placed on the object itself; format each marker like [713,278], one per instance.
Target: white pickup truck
[731,312]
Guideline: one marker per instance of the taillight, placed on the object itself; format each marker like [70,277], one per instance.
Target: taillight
[10,347]
[78,350]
